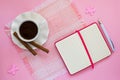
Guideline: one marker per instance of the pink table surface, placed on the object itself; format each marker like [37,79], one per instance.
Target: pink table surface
[107,10]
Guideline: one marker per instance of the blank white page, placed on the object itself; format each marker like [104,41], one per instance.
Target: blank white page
[73,53]
[95,43]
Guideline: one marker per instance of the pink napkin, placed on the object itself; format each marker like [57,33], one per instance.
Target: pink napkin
[62,19]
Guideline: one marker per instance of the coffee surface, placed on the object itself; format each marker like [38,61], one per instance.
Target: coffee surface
[28,30]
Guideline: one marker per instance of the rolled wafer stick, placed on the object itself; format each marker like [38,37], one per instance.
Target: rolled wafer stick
[39,46]
[25,44]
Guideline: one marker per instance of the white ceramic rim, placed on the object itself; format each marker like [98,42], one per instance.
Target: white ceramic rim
[28,40]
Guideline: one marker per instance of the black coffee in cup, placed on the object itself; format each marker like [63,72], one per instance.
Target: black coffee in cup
[28,30]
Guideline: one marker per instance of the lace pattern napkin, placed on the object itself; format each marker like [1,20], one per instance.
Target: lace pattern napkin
[63,19]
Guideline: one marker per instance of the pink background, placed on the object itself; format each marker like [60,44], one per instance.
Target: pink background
[107,10]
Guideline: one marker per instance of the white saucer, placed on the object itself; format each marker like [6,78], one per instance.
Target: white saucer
[38,19]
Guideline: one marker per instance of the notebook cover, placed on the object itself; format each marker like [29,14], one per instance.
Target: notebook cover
[76,56]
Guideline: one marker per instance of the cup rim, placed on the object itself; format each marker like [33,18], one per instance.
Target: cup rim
[27,40]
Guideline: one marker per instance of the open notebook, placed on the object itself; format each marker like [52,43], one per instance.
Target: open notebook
[83,48]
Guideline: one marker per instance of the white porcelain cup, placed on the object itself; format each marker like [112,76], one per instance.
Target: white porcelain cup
[28,33]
